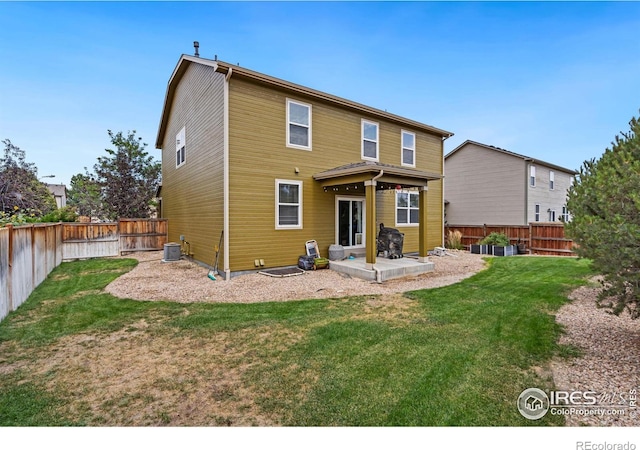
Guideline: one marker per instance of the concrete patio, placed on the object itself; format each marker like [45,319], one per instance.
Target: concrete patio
[386,269]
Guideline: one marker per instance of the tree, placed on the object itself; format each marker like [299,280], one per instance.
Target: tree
[84,195]
[605,207]
[20,189]
[128,177]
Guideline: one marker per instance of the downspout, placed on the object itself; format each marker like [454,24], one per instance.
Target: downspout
[227,270]
[374,182]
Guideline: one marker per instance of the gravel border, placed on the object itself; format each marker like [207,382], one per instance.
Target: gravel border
[187,282]
[610,360]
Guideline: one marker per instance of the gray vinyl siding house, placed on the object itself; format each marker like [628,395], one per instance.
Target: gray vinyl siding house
[490,185]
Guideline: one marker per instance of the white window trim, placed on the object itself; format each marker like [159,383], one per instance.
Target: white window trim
[362,139]
[552,215]
[552,180]
[181,136]
[536,212]
[402,147]
[409,208]
[532,176]
[288,227]
[288,143]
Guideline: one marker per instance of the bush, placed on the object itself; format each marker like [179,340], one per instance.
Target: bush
[454,240]
[64,214]
[494,238]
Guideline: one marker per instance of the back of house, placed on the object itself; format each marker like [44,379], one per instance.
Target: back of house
[275,164]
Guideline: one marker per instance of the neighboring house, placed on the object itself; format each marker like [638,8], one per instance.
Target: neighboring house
[275,164]
[489,185]
[59,192]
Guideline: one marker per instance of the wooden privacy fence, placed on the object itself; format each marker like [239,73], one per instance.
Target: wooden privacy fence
[541,238]
[28,253]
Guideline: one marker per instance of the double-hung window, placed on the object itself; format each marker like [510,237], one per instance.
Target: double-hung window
[565,214]
[537,211]
[181,148]
[407,208]
[298,125]
[551,180]
[288,204]
[369,140]
[532,176]
[552,215]
[408,149]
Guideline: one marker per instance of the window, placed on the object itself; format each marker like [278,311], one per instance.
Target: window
[369,140]
[288,204]
[532,176]
[181,148]
[537,216]
[551,180]
[565,214]
[408,149]
[552,215]
[298,125]
[407,208]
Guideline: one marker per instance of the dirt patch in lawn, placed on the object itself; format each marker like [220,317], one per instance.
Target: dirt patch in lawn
[134,377]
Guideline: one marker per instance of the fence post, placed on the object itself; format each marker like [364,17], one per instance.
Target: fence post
[530,239]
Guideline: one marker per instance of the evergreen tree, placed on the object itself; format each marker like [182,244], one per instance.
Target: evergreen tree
[128,177]
[605,207]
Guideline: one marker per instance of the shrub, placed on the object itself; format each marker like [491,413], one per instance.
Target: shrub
[454,240]
[494,238]
[64,214]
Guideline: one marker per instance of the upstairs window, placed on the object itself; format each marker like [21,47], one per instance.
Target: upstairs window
[181,148]
[551,180]
[407,208]
[408,149]
[298,125]
[532,176]
[288,204]
[369,140]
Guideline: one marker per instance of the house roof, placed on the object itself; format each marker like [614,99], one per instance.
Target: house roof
[368,169]
[241,72]
[507,152]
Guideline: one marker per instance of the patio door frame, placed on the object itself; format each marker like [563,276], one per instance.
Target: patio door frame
[351,198]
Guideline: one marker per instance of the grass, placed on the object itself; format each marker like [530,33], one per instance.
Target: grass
[458,355]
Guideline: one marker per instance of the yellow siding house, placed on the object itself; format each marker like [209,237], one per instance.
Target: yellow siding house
[275,164]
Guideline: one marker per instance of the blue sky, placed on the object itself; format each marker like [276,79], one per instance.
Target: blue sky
[555,81]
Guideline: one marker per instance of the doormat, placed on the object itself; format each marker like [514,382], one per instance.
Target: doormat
[280,273]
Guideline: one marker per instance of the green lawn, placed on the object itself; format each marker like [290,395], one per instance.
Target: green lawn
[458,355]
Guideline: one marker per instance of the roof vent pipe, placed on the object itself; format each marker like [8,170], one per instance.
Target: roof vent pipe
[196,46]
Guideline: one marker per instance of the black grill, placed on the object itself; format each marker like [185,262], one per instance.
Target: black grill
[390,242]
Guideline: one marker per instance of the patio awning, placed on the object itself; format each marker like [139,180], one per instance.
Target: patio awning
[360,172]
